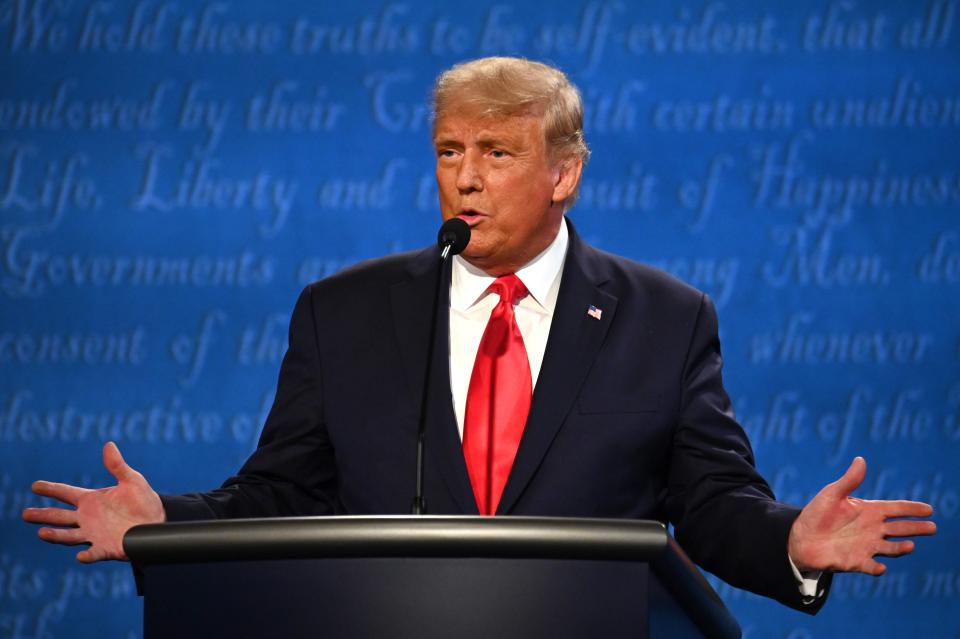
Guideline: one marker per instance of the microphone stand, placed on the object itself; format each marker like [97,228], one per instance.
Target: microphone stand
[419,503]
[453,237]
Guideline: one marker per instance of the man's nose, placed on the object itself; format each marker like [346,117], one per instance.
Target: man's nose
[468,174]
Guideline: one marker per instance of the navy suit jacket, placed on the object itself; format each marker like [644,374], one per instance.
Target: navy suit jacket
[629,417]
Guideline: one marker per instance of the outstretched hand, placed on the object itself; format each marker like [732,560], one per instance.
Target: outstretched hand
[841,533]
[100,517]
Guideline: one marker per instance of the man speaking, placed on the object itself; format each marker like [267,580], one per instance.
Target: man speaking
[565,381]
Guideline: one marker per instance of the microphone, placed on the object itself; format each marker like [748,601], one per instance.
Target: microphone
[453,237]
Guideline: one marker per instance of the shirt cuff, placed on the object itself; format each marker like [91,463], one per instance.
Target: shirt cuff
[808,581]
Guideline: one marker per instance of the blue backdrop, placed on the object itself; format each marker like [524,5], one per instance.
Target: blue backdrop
[172,173]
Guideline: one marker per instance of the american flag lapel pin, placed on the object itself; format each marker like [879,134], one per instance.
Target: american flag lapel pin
[594,312]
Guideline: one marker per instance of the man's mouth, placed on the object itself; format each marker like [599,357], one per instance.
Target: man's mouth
[470,216]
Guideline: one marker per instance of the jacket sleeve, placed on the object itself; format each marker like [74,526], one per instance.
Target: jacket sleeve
[292,471]
[724,513]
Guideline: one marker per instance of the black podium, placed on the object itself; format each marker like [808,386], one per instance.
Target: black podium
[423,577]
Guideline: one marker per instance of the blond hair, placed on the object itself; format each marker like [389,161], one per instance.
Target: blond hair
[515,86]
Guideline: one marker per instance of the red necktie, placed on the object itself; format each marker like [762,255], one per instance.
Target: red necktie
[498,399]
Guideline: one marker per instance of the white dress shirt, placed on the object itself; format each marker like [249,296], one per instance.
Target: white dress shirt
[470,308]
[471,305]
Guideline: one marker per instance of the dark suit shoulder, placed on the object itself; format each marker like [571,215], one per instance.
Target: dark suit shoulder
[373,274]
[625,276]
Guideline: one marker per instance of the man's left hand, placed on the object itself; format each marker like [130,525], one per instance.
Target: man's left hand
[841,533]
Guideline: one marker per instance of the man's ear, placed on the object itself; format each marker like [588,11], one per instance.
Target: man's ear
[567,178]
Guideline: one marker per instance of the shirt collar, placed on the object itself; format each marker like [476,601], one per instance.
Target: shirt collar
[541,276]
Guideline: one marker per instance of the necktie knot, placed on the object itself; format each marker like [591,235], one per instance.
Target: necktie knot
[509,288]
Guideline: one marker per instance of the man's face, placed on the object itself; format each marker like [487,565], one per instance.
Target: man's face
[494,173]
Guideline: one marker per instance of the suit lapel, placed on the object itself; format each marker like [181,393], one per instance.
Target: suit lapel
[442,447]
[572,346]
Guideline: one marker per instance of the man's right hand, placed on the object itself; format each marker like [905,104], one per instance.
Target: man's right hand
[100,517]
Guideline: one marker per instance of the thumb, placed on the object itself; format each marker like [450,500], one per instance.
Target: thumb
[113,461]
[851,479]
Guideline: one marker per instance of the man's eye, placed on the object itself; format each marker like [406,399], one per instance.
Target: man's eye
[497,153]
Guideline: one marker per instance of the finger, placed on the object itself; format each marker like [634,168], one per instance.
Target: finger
[65,536]
[894,548]
[904,508]
[95,553]
[113,461]
[872,567]
[61,492]
[851,479]
[908,528]
[87,556]
[51,516]
[90,555]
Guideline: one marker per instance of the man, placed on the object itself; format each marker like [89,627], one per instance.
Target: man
[567,382]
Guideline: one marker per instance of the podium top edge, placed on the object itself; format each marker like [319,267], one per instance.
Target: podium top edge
[396,536]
